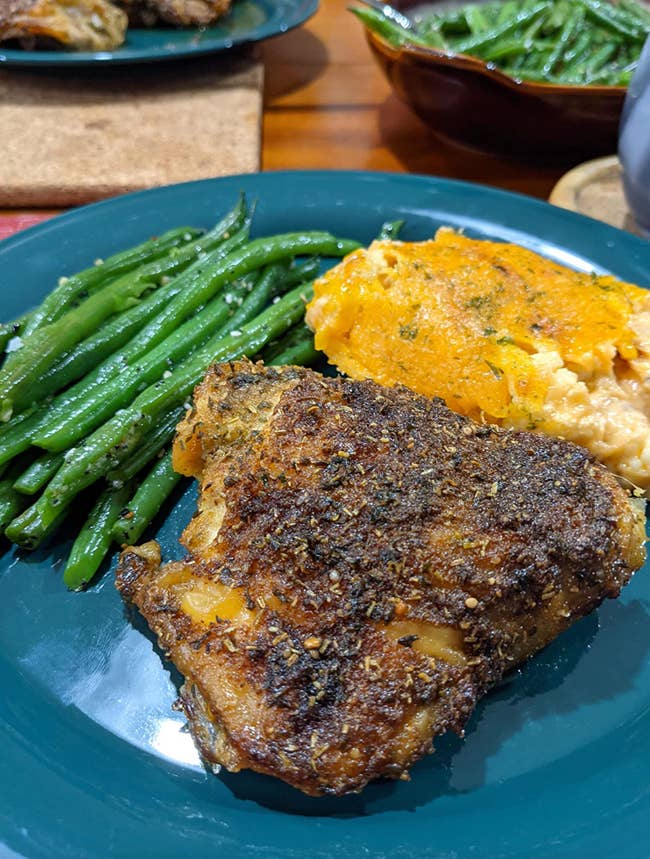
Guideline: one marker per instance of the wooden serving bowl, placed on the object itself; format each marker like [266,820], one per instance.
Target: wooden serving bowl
[473,103]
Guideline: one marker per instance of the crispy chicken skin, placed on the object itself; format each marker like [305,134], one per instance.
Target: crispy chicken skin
[181,13]
[85,25]
[363,565]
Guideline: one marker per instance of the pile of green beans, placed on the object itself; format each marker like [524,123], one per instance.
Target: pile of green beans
[97,377]
[584,42]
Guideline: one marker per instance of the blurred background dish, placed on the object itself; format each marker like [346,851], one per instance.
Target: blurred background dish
[80,25]
[248,21]
[472,102]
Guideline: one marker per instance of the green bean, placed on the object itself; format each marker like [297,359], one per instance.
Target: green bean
[300,272]
[508,10]
[476,20]
[598,60]
[486,40]
[570,28]
[389,31]
[390,230]
[15,436]
[34,478]
[187,293]
[149,497]
[94,540]
[296,347]
[12,503]
[119,437]
[580,44]
[118,332]
[453,23]
[604,14]
[9,330]
[19,378]
[104,343]
[161,435]
[638,10]
[51,341]
[72,288]
[378,23]
[114,393]
[507,48]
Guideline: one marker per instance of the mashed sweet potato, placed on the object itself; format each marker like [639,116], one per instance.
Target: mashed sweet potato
[502,335]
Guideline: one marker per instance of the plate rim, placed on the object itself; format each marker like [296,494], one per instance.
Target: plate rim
[542,205]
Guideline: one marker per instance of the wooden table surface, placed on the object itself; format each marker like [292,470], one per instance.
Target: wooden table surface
[327,105]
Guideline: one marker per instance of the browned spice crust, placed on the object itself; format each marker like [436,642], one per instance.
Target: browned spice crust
[351,509]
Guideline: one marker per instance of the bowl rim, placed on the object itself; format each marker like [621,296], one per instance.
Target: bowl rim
[435,56]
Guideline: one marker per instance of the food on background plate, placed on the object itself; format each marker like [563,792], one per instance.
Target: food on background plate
[502,334]
[588,42]
[181,13]
[97,25]
[364,564]
[84,25]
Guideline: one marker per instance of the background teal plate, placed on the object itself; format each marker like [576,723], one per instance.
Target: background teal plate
[94,763]
[248,21]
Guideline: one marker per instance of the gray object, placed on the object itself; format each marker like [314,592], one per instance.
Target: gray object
[634,143]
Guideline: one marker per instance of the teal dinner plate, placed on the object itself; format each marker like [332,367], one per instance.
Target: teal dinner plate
[95,763]
[248,21]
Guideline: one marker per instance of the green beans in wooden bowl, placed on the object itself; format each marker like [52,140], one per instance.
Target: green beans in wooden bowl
[531,78]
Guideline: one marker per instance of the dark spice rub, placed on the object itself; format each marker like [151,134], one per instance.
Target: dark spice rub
[364,564]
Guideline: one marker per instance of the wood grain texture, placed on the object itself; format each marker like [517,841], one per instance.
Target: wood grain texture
[72,138]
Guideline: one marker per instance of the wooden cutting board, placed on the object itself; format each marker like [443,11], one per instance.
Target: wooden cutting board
[71,136]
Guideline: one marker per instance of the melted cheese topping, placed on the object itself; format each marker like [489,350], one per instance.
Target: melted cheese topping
[442,642]
[205,601]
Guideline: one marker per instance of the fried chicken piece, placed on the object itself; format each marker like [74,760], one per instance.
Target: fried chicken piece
[364,564]
[181,13]
[83,25]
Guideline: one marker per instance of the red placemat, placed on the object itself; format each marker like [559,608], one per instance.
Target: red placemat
[10,224]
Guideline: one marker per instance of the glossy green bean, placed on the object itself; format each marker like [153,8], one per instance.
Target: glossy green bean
[70,289]
[117,392]
[486,40]
[296,347]
[160,436]
[145,504]
[390,230]
[67,421]
[94,540]
[36,475]
[604,14]
[113,442]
